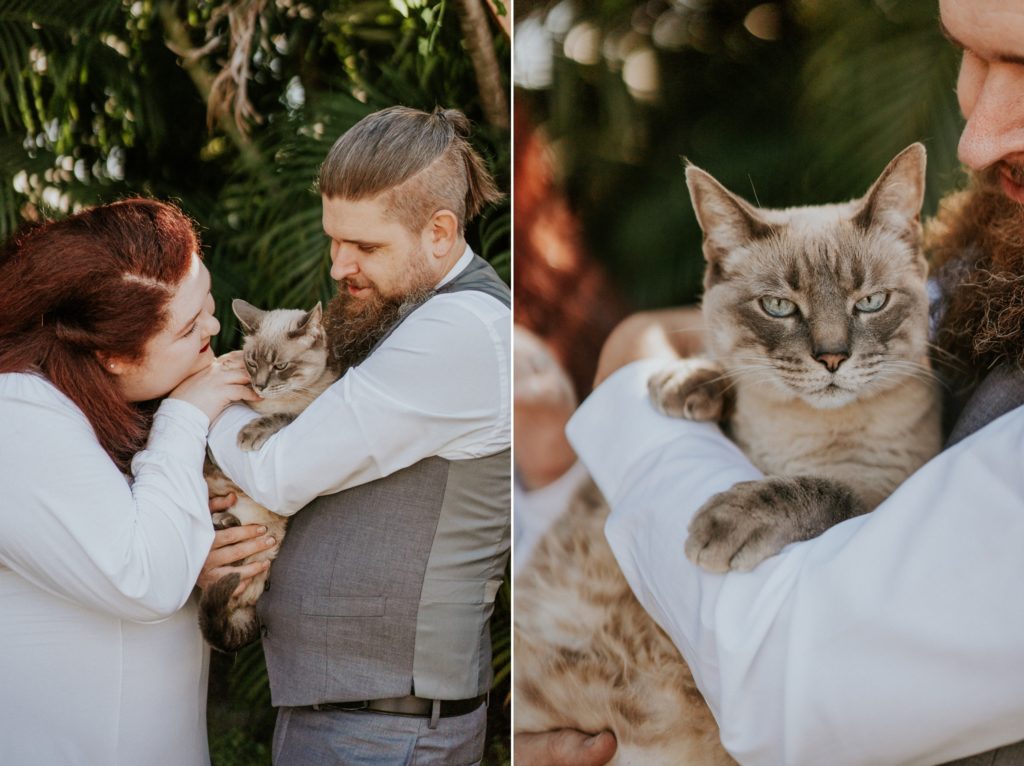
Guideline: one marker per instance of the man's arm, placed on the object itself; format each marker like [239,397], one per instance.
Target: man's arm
[440,385]
[889,639]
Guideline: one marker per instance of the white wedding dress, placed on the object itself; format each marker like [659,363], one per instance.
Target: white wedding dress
[101,660]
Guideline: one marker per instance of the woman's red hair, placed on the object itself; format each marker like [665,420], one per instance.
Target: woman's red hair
[93,286]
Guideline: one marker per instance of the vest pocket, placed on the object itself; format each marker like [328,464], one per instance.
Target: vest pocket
[452,653]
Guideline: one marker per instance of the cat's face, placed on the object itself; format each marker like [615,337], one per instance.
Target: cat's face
[285,350]
[828,304]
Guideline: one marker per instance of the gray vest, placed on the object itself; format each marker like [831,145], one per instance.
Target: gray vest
[1001,391]
[386,589]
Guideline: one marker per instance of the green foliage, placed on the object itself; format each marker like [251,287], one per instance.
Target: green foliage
[97,102]
[235,746]
[788,102]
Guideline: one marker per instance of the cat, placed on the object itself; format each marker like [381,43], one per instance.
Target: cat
[818,369]
[286,354]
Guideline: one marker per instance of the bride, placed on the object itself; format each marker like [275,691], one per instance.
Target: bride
[104,520]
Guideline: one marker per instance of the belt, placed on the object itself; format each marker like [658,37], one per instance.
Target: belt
[409,705]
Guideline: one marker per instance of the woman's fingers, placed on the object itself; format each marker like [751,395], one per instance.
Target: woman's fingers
[230,554]
[247,572]
[220,503]
[231,535]
[245,392]
[235,358]
[232,545]
[235,543]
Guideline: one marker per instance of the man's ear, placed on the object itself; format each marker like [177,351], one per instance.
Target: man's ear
[442,232]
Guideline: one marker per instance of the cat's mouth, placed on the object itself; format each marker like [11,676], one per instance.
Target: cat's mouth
[830,395]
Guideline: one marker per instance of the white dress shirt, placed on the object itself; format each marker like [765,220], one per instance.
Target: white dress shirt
[438,385]
[893,638]
[99,661]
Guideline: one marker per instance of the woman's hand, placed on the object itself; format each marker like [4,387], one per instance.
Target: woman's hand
[665,334]
[214,388]
[231,545]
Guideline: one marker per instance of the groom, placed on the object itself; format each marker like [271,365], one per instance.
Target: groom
[375,619]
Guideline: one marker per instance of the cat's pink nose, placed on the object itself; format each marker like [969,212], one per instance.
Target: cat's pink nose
[832,360]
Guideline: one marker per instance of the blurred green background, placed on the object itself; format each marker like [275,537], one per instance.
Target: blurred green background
[787,103]
[228,107]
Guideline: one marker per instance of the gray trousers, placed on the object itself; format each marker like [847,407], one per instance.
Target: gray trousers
[307,737]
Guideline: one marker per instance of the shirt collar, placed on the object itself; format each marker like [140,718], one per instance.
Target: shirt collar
[458,268]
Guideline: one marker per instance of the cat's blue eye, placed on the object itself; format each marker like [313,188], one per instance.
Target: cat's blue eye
[872,303]
[778,307]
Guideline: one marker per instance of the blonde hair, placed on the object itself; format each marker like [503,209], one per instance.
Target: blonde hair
[422,162]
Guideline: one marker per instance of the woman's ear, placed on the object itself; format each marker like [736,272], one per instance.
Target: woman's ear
[112,364]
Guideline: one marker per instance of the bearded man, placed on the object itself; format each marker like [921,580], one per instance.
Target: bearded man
[397,478]
[896,637]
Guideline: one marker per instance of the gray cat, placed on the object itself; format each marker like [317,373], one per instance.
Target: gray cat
[285,352]
[817,324]
[818,321]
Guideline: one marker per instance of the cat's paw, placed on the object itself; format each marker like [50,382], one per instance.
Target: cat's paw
[694,389]
[225,519]
[739,528]
[255,434]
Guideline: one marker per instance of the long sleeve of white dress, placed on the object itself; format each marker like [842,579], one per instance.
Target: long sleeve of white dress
[70,522]
[893,638]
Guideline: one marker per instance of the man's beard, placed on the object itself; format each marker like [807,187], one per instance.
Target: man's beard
[354,325]
[977,244]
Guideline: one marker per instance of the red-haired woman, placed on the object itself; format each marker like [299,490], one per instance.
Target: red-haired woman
[104,525]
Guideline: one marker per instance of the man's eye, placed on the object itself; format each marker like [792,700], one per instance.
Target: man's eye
[191,329]
[368,248]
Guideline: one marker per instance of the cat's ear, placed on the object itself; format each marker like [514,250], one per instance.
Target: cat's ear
[728,221]
[310,325]
[248,315]
[312,320]
[894,200]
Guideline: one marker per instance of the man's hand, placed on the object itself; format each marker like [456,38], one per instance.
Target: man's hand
[564,747]
[232,545]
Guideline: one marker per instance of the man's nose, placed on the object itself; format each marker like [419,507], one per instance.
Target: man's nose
[342,265]
[995,125]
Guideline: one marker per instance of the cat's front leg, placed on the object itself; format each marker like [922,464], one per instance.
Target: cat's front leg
[256,433]
[741,527]
[694,389]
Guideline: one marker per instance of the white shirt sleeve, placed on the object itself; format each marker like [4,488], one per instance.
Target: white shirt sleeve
[894,638]
[439,385]
[73,525]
